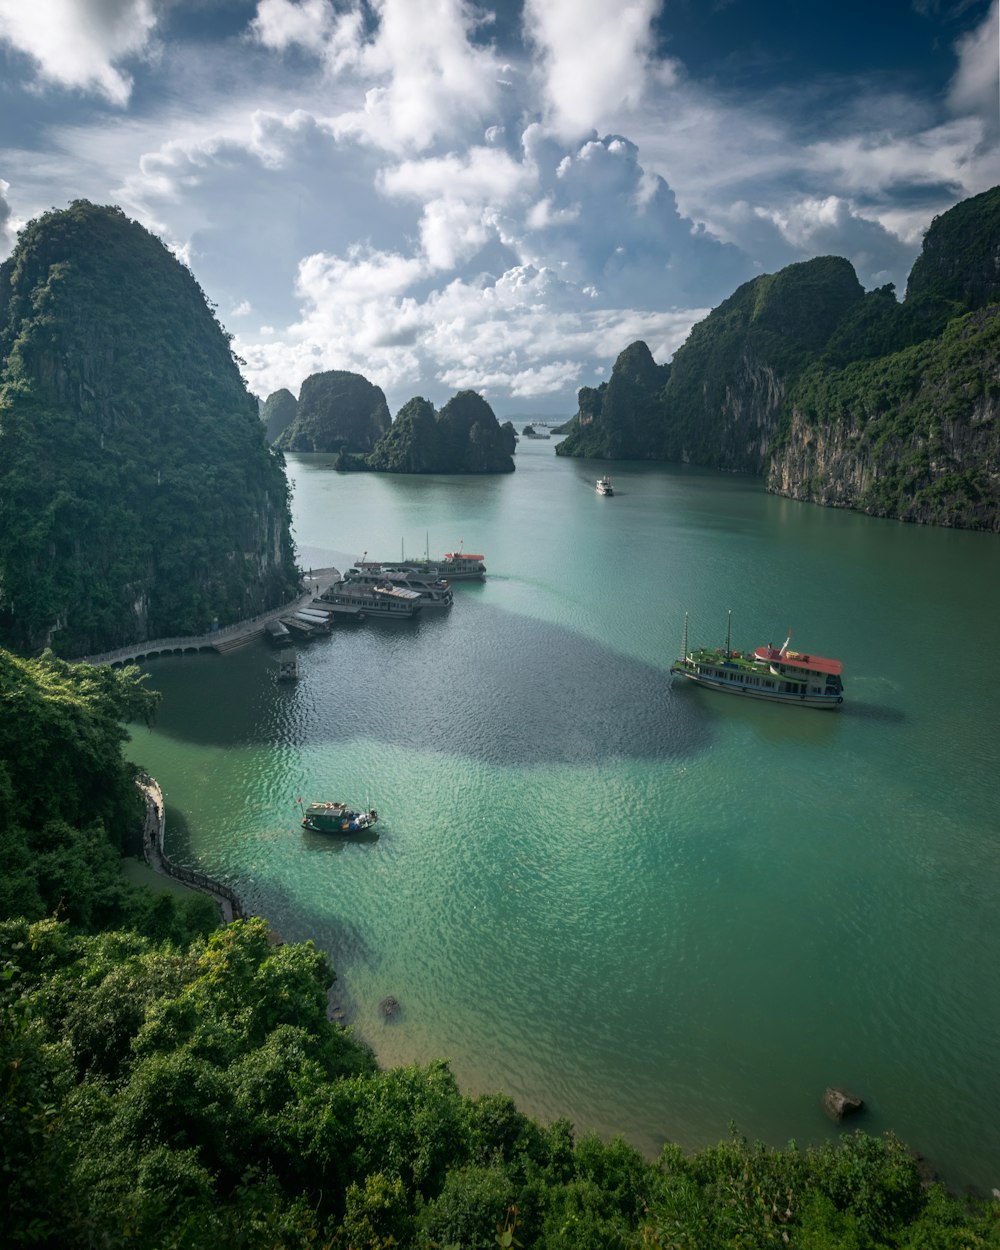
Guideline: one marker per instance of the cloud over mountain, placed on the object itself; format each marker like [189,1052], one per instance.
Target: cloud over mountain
[440,194]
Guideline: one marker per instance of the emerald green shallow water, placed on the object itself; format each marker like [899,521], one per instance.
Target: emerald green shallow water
[648,907]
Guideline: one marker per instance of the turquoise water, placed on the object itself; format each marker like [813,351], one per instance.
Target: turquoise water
[641,905]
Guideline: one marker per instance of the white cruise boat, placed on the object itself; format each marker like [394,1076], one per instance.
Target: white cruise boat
[433,594]
[353,599]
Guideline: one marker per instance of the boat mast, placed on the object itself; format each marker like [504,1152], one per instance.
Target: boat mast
[684,652]
[729,635]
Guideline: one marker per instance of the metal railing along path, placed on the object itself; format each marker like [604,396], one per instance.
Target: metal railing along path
[191,643]
[153,830]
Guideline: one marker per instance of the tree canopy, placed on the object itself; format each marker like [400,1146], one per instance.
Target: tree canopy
[165,1082]
[138,497]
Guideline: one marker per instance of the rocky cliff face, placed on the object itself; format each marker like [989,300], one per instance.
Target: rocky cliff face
[718,403]
[912,431]
[728,381]
[915,435]
[337,411]
[836,396]
[749,413]
[137,495]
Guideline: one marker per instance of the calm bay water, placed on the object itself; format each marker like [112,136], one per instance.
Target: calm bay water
[643,906]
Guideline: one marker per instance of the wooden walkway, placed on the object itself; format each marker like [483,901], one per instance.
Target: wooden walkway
[229,638]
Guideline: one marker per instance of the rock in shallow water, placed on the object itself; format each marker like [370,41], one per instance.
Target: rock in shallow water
[839,1102]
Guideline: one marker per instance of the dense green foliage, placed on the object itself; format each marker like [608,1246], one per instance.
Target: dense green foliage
[464,437]
[337,411]
[775,324]
[904,415]
[138,497]
[958,262]
[280,410]
[68,802]
[201,1098]
[837,396]
[164,1085]
[622,419]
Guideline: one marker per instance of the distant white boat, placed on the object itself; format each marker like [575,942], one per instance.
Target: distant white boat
[604,486]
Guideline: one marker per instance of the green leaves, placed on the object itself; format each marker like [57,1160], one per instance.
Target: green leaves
[138,496]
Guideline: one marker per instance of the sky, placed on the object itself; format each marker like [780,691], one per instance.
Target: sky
[445,195]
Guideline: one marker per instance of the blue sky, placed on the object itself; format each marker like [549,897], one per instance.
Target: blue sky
[445,195]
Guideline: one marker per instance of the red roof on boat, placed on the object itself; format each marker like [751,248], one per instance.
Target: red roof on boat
[462,555]
[796,659]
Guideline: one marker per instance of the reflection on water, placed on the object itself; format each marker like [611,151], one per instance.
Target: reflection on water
[478,681]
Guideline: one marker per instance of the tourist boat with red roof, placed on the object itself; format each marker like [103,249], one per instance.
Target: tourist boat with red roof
[774,673]
[457,566]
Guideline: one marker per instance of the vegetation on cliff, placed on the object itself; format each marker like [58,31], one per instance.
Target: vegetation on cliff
[914,435]
[958,261]
[280,410]
[337,411]
[138,497]
[749,348]
[835,395]
[68,802]
[464,437]
[622,419]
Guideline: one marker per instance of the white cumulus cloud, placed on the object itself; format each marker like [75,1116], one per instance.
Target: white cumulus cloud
[975,88]
[595,57]
[437,77]
[80,43]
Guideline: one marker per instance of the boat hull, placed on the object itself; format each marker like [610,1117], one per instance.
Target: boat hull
[338,820]
[829,701]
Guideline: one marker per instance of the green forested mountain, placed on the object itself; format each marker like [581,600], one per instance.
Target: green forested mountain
[337,411]
[166,1085]
[280,410]
[464,437]
[718,401]
[834,395]
[138,497]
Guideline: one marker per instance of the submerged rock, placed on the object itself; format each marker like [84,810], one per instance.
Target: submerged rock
[839,1102]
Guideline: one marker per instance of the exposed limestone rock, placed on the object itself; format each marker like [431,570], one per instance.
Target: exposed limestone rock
[838,1102]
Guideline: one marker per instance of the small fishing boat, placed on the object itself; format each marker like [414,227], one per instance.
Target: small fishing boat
[604,486]
[336,818]
[777,674]
[288,667]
